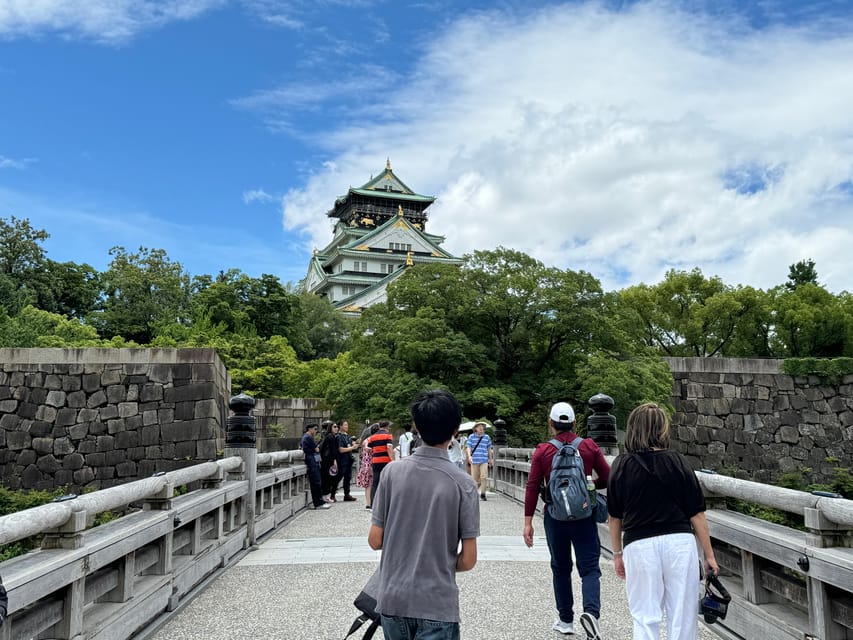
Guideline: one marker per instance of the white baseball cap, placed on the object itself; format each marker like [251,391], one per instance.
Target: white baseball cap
[562,412]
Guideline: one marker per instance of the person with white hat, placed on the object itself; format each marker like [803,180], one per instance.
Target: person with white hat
[564,535]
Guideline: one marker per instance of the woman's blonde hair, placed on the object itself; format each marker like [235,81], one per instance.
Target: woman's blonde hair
[647,428]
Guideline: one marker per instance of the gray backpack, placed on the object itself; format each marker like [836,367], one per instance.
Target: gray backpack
[569,497]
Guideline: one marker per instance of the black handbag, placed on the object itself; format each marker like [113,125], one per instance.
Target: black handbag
[366,603]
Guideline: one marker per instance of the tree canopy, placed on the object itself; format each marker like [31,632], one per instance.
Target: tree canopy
[505,333]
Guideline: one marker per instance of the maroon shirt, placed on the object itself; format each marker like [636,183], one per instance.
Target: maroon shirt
[540,467]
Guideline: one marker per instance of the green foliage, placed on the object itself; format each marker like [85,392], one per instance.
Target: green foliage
[14,501]
[144,292]
[800,273]
[630,382]
[828,370]
[35,328]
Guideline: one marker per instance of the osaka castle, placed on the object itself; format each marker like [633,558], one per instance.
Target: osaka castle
[379,231]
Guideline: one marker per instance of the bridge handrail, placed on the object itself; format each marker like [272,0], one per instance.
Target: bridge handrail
[839,511]
[785,583]
[37,520]
[109,581]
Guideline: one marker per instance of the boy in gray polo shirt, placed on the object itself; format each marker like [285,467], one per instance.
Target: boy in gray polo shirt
[424,507]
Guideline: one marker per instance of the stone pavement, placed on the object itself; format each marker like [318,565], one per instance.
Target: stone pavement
[300,584]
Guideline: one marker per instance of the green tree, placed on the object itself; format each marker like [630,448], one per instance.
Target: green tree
[810,321]
[686,314]
[144,292]
[800,273]
[36,328]
[22,260]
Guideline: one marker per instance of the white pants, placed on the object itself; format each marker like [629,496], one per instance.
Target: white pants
[662,575]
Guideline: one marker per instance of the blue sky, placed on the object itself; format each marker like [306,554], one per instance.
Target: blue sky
[623,138]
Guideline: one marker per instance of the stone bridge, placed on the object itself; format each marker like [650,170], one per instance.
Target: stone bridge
[241,556]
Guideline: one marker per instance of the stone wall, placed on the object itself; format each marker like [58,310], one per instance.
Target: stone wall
[748,417]
[81,418]
[290,415]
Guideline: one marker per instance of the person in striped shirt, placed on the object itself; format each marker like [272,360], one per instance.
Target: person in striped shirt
[381,444]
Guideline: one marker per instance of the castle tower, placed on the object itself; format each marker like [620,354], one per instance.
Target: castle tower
[379,229]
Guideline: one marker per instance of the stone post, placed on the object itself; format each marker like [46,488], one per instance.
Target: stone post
[240,441]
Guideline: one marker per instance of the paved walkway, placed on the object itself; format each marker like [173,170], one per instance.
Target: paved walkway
[300,584]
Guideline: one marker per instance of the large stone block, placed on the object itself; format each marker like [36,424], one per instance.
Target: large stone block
[8,406]
[188,430]
[127,439]
[752,422]
[97,399]
[55,399]
[206,409]
[9,422]
[789,434]
[128,409]
[110,412]
[116,393]
[151,393]
[95,459]
[191,393]
[84,476]
[132,393]
[126,469]
[17,440]
[71,383]
[136,453]
[46,413]
[27,410]
[115,426]
[87,446]
[117,456]
[66,417]
[42,446]
[76,399]
[206,450]
[185,450]
[91,382]
[48,464]
[150,417]
[73,461]
[111,376]
[149,435]
[31,477]
[106,443]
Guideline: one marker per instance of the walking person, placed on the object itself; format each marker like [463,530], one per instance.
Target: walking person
[418,597]
[365,471]
[312,462]
[381,444]
[346,446]
[657,514]
[405,441]
[565,535]
[329,450]
[456,450]
[481,457]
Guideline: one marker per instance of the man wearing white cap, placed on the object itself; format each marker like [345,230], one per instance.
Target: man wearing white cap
[563,535]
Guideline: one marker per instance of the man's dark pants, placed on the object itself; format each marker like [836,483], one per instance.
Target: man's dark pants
[583,536]
[345,472]
[314,480]
[377,472]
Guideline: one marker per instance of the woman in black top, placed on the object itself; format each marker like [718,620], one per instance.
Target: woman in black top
[329,451]
[657,513]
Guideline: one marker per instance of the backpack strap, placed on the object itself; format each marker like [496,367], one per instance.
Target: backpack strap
[576,443]
[557,444]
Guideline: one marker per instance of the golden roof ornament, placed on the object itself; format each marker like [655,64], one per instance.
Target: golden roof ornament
[400,210]
[409,262]
[388,164]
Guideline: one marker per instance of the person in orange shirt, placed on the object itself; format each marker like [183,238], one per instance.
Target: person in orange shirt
[381,444]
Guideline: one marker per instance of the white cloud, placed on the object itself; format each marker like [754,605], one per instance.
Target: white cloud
[106,21]
[623,143]
[257,195]
[13,163]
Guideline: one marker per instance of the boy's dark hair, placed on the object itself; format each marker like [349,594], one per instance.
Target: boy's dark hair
[407,428]
[308,426]
[437,414]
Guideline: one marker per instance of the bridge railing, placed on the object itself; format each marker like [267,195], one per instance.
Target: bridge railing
[112,580]
[785,582]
